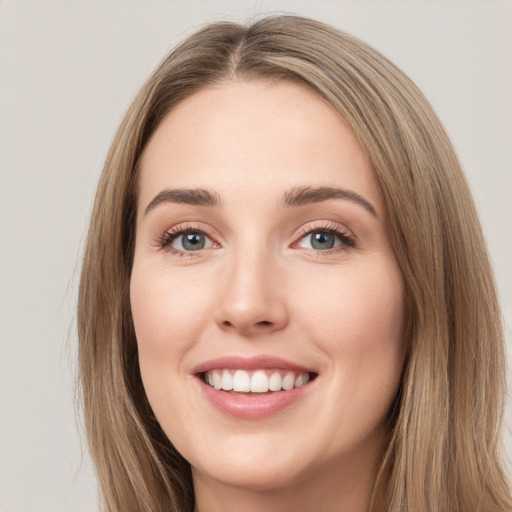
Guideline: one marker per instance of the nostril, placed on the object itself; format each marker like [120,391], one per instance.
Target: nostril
[250,323]
[227,323]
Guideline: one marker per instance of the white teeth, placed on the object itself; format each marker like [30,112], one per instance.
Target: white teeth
[227,380]
[301,379]
[288,381]
[217,380]
[241,381]
[259,381]
[275,381]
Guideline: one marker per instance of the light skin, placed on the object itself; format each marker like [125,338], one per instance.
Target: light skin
[307,277]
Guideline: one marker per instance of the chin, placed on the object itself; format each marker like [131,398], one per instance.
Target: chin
[253,475]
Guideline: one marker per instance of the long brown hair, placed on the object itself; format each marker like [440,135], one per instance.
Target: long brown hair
[443,450]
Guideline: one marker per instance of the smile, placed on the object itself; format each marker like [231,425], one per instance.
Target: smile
[257,381]
[253,388]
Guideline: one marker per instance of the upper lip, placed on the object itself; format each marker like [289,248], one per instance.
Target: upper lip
[249,363]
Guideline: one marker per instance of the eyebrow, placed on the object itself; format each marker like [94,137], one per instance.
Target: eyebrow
[300,196]
[197,197]
[297,196]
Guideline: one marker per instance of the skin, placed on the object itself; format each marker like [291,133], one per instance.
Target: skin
[260,287]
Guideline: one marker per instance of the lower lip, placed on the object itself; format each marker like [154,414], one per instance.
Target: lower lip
[252,407]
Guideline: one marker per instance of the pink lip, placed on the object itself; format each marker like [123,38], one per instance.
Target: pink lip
[248,363]
[252,408]
[245,406]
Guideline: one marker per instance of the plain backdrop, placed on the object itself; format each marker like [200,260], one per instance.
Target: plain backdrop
[68,71]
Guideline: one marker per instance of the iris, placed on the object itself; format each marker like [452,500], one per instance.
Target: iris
[322,241]
[193,241]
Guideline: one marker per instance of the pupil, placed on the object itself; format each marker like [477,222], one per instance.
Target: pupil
[322,241]
[193,241]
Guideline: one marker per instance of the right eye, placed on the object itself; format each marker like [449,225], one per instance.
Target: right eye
[187,241]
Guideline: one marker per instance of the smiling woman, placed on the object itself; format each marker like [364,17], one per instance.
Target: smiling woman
[286,302]
[296,287]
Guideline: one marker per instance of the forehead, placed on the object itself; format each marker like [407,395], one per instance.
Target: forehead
[272,135]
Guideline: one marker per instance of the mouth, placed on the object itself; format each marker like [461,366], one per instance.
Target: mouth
[253,388]
[255,382]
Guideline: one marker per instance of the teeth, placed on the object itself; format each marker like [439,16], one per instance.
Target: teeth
[259,381]
[300,380]
[241,381]
[288,381]
[227,381]
[275,381]
[217,381]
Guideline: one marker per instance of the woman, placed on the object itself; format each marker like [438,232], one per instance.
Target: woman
[286,301]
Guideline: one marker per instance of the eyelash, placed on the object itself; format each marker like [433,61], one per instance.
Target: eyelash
[166,240]
[348,241]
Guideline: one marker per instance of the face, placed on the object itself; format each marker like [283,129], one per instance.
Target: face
[267,301]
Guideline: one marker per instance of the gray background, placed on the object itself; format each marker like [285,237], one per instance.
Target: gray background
[68,71]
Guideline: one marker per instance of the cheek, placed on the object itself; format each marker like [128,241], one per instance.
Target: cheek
[358,325]
[167,311]
[368,301]
[357,318]
[167,315]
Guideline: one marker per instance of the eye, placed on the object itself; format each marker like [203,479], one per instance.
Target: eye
[319,241]
[186,240]
[190,241]
[325,239]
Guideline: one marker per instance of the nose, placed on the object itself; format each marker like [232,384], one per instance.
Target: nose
[253,297]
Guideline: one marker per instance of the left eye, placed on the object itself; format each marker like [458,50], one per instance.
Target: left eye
[320,240]
[191,241]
